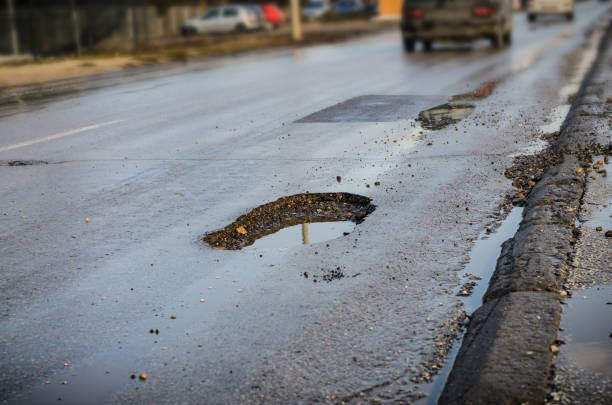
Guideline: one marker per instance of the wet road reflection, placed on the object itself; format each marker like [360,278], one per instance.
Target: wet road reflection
[306,233]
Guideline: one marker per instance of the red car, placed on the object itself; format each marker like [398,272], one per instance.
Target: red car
[272,14]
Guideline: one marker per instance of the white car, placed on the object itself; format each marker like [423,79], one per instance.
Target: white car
[543,7]
[315,9]
[222,20]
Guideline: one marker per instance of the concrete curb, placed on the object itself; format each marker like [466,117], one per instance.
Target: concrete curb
[505,357]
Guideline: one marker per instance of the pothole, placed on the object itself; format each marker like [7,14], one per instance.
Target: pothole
[296,219]
[586,330]
[441,116]
[22,162]
[483,91]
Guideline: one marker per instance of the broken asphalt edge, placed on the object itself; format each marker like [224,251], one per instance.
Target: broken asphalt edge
[505,356]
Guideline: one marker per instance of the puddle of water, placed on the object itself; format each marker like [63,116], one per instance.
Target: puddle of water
[478,271]
[587,320]
[483,91]
[306,233]
[484,255]
[444,115]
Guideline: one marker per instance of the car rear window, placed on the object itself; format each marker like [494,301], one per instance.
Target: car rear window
[230,12]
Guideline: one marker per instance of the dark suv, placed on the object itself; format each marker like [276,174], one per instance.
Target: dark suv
[456,20]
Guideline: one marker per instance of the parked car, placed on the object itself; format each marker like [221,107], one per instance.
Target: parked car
[259,13]
[273,14]
[348,6]
[542,7]
[457,20]
[222,20]
[315,9]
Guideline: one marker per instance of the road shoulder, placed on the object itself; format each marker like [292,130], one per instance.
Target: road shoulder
[507,352]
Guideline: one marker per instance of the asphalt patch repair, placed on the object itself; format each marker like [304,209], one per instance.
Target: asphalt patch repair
[288,211]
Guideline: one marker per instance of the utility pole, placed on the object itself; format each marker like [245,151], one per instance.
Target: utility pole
[296,24]
[12,27]
[75,28]
[305,234]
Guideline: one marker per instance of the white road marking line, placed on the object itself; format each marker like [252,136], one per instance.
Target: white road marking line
[57,136]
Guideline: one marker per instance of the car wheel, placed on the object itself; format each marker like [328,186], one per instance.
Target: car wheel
[241,28]
[569,16]
[497,39]
[427,45]
[188,31]
[508,38]
[409,44]
[531,17]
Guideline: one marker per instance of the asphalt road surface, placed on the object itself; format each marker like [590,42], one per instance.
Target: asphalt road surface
[155,163]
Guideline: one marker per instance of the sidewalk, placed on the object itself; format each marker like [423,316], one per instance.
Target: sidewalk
[507,352]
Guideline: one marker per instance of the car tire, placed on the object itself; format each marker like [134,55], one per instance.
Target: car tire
[240,28]
[531,17]
[188,31]
[508,38]
[498,39]
[427,46]
[570,16]
[409,44]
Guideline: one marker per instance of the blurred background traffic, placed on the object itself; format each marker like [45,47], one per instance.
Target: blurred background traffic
[36,28]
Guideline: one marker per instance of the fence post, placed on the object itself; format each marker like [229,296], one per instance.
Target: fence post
[12,27]
[296,26]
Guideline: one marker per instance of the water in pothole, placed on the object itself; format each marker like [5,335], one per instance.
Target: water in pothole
[587,329]
[478,271]
[307,233]
[444,115]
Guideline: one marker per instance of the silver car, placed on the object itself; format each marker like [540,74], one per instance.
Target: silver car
[455,20]
[222,20]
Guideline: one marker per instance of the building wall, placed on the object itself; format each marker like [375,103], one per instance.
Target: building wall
[390,8]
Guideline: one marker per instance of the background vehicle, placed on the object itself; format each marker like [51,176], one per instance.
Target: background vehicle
[348,6]
[223,20]
[315,9]
[456,20]
[273,15]
[542,7]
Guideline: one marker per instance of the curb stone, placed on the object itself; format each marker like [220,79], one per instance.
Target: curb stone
[509,344]
[505,356]
[534,259]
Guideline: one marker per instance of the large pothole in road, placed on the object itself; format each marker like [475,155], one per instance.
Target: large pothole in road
[326,215]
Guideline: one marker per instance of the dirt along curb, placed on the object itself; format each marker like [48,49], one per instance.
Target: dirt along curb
[507,351]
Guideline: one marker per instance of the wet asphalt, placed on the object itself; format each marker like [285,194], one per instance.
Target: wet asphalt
[102,244]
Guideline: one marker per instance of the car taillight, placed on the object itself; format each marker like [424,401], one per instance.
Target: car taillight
[414,13]
[483,11]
